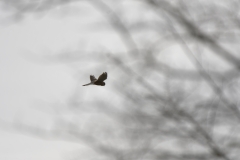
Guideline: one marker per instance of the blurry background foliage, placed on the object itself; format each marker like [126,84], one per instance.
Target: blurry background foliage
[173,78]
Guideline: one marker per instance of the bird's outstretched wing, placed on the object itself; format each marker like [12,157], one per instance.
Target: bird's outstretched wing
[102,77]
[92,78]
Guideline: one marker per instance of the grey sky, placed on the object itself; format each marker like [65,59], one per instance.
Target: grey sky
[46,57]
[26,81]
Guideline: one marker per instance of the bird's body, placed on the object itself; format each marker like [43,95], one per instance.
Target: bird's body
[98,81]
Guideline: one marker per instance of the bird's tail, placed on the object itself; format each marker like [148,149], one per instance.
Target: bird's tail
[87,84]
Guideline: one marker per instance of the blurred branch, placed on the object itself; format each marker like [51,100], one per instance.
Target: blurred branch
[191,56]
[141,110]
[117,24]
[196,32]
[214,147]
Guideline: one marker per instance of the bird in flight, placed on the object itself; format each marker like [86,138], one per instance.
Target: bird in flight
[98,81]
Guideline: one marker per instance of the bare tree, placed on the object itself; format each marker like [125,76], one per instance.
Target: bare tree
[176,82]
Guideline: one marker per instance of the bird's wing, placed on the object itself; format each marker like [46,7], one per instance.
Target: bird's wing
[102,77]
[92,78]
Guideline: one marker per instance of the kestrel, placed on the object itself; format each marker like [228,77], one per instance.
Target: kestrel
[98,81]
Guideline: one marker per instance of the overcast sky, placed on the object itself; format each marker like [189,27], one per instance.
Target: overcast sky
[37,73]
[28,79]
